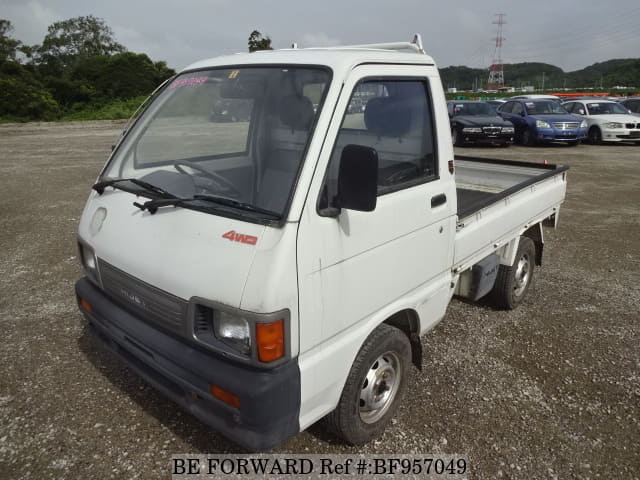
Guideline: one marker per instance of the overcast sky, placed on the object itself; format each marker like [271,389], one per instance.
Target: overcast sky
[569,34]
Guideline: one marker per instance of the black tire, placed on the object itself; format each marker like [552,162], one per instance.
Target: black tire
[512,283]
[381,368]
[528,138]
[456,137]
[595,136]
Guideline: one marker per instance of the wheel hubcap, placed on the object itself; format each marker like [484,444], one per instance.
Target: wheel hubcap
[380,387]
[523,271]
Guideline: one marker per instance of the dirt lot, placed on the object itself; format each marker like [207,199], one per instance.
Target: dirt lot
[549,391]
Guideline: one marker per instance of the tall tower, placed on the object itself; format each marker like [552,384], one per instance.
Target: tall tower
[496,70]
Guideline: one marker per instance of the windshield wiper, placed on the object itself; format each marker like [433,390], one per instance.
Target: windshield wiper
[152,205]
[100,186]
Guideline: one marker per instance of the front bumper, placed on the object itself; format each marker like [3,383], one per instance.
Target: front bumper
[556,135]
[620,135]
[269,399]
[498,138]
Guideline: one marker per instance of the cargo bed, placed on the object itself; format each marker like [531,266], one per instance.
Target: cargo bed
[498,199]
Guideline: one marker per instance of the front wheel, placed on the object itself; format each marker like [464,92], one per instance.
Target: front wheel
[374,387]
[512,283]
[595,136]
[528,138]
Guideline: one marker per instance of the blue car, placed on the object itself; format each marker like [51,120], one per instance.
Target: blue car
[542,121]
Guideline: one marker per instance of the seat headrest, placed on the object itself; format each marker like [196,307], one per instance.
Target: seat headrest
[296,112]
[388,116]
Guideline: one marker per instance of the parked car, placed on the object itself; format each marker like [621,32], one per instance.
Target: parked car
[478,122]
[633,104]
[542,121]
[608,121]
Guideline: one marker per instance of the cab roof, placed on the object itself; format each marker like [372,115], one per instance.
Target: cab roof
[339,59]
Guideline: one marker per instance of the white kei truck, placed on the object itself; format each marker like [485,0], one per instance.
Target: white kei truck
[274,232]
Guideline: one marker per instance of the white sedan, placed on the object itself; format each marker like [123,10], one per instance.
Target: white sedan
[608,121]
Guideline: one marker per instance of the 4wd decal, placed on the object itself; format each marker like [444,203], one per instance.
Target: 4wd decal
[240,237]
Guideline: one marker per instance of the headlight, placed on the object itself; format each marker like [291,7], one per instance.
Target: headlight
[542,124]
[613,125]
[88,259]
[232,330]
[472,130]
[507,130]
[583,124]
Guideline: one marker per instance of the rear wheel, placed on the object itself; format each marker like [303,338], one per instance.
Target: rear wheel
[512,283]
[595,136]
[374,387]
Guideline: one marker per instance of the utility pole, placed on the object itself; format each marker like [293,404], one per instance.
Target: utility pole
[542,82]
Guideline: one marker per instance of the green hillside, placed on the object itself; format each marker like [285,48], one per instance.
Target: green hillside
[617,72]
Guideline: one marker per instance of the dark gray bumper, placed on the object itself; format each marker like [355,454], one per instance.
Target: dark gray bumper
[269,399]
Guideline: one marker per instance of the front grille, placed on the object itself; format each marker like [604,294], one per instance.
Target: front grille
[491,130]
[142,299]
[632,125]
[566,125]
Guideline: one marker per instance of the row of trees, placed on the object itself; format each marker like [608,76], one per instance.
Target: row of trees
[78,64]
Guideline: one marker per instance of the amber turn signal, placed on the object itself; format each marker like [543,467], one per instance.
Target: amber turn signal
[225,395]
[270,340]
[86,306]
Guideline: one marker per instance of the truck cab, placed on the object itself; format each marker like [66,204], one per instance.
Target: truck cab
[274,262]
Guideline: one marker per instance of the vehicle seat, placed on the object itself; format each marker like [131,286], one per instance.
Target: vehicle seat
[386,116]
[285,146]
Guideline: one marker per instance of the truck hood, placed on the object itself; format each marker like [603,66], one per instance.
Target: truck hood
[178,250]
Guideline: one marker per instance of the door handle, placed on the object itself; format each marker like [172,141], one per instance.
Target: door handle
[438,200]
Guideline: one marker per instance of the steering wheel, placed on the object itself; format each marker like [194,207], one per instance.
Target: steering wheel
[218,179]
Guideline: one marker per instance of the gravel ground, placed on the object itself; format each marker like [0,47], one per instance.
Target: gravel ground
[548,391]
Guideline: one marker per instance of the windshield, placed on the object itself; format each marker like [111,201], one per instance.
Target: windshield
[238,133]
[545,107]
[473,109]
[606,109]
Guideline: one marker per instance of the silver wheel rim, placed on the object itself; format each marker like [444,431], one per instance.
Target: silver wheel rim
[523,272]
[380,387]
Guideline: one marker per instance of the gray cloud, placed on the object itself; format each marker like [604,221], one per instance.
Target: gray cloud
[459,33]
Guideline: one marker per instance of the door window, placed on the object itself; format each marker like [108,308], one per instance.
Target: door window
[517,108]
[394,117]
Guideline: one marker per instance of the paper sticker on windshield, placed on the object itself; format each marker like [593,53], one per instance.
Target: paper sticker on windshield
[530,104]
[234,73]
[594,105]
[460,106]
[188,82]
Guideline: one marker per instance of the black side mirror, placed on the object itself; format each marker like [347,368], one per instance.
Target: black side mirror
[358,179]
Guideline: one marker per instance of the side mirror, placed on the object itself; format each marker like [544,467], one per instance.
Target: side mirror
[522,114]
[358,179]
